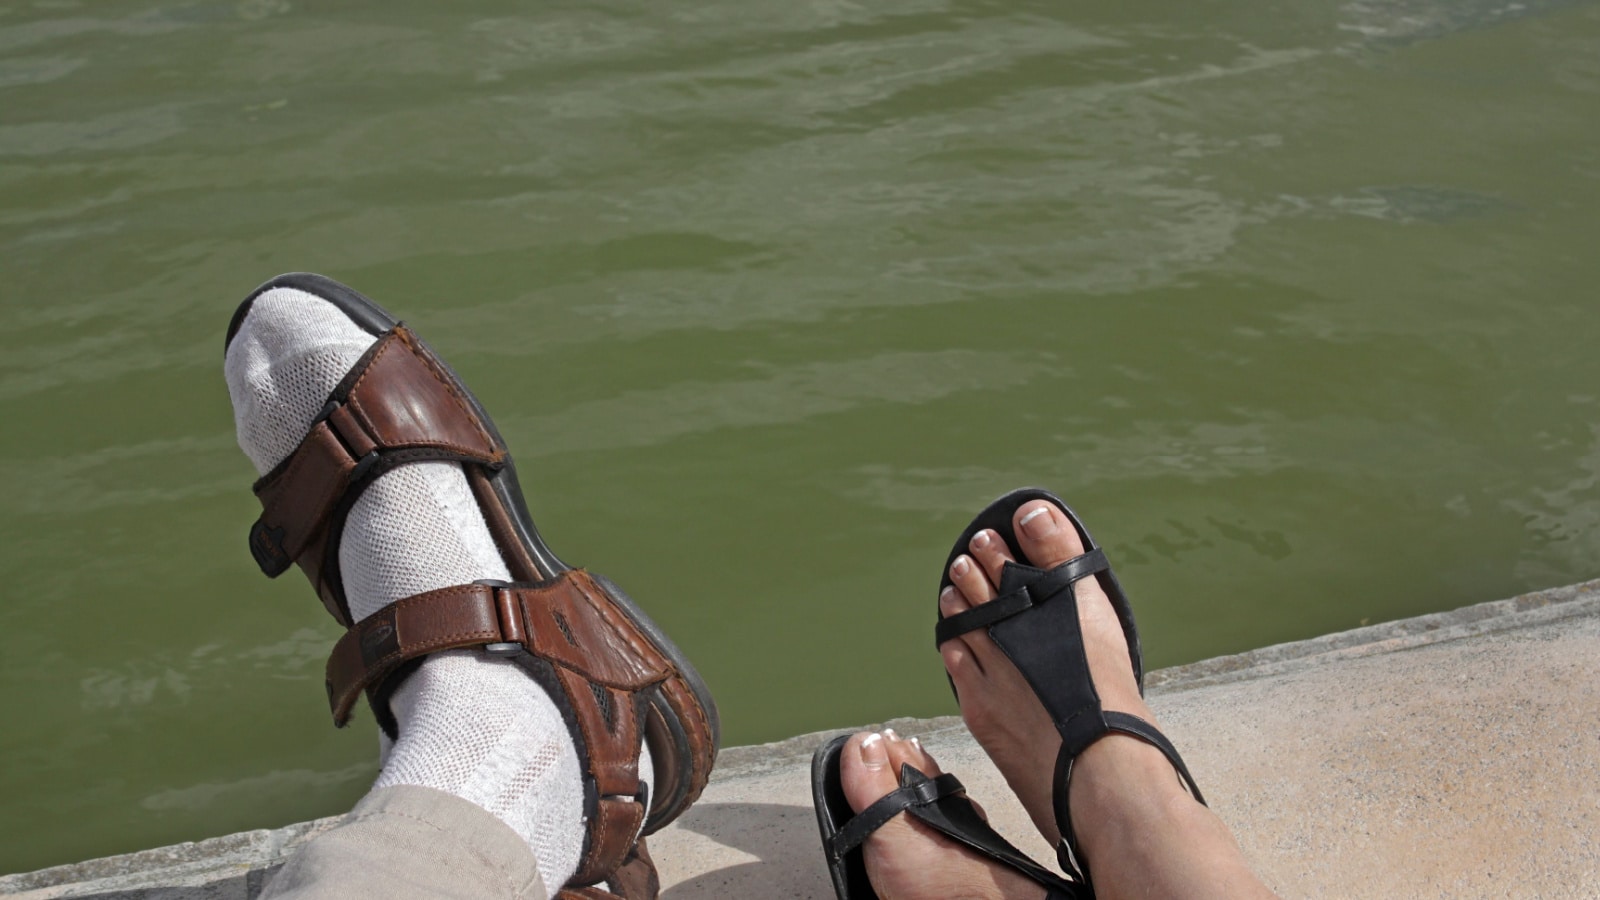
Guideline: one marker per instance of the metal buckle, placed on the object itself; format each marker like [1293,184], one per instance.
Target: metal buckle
[502,605]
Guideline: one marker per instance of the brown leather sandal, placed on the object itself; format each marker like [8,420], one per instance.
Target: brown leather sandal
[612,671]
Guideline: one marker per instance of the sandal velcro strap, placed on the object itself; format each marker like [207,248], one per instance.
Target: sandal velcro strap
[396,405]
[559,621]
[1038,587]
[592,662]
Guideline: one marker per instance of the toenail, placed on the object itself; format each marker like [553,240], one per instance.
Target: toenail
[1039,523]
[915,743]
[889,733]
[980,540]
[873,756]
[959,569]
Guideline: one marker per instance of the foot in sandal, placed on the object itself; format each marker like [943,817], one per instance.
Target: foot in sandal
[1039,643]
[895,826]
[535,691]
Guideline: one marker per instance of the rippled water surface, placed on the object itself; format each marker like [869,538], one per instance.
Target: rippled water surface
[1294,301]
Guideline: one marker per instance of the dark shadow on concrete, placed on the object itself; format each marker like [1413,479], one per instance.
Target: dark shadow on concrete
[784,840]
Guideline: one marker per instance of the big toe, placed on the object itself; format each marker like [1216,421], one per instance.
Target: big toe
[865,772]
[1046,536]
[290,352]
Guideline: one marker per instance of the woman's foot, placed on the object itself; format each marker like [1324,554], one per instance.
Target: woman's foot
[997,703]
[1143,834]
[906,860]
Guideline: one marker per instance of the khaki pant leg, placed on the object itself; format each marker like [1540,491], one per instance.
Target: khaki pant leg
[406,841]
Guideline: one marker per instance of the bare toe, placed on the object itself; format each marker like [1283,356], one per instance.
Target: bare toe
[1047,538]
[989,551]
[960,660]
[866,773]
[970,579]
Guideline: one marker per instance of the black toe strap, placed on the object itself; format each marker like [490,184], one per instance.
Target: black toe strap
[916,789]
[1032,587]
[941,804]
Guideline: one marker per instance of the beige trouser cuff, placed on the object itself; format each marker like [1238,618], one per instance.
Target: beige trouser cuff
[407,841]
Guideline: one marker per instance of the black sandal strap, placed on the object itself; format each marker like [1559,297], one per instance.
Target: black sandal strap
[1139,728]
[1037,590]
[1068,853]
[916,789]
[939,802]
[957,818]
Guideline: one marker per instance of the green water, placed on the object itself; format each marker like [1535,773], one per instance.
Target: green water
[1294,301]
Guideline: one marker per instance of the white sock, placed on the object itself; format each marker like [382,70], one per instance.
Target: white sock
[470,725]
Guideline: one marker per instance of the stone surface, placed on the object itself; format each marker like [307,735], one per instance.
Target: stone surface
[1450,755]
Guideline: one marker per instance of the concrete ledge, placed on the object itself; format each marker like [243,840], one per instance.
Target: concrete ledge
[1453,754]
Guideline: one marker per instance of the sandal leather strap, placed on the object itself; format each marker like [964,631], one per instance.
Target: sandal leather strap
[396,405]
[1068,853]
[1024,596]
[594,664]
[635,879]
[916,789]
[940,803]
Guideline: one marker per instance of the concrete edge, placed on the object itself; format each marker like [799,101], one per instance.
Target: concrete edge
[1386,637]
[254,852]
[1402,634]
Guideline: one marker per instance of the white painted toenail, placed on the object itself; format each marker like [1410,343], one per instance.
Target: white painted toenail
[959,570]
[1041,528]
[873,756]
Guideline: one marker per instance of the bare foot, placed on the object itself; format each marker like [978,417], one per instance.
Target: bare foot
[906,860]
[1001,709]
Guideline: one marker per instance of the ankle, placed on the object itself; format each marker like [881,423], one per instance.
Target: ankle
[1121,782]
[484,730]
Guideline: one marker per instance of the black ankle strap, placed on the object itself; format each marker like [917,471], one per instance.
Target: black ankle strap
[1068,853]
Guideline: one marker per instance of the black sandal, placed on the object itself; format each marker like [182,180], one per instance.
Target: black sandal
[940,803]
[1034,620]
